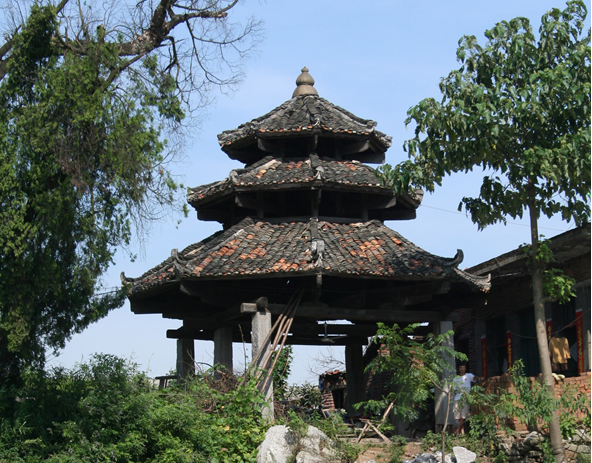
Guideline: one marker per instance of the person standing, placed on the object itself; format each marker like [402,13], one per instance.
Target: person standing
[462,385]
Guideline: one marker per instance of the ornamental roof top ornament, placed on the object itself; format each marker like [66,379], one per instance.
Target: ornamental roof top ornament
[304,84]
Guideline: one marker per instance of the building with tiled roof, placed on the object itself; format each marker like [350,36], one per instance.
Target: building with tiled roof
[304,213]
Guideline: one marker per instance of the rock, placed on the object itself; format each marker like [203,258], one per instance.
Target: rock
[316,447]
[448,458]
[582,436]
[514,451]
[464,455]
[578,448]
[533,439]
[280,445]
[425,458]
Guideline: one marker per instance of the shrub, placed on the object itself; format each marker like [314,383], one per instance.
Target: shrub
[106,410]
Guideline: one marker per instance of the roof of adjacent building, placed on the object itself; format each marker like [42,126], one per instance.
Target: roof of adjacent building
[264,249]
[305,114]
[565,246]
[272,173]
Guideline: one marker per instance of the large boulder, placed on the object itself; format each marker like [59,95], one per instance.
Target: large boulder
[281,445]
[464,455]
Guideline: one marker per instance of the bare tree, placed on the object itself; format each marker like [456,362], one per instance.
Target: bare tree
[326,360]
[194,40]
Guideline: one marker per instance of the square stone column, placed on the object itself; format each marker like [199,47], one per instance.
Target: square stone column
[260,328]
[185,358]
[223,348]
[354,370]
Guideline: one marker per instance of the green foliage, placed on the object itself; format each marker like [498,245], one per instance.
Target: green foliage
[306,395]
[483,422]
[281,372]
[82,159]
[107,411]
[556,285]
[419,366]
[397,449]
[536,405]
[519,108]
[530,403]
[574,409]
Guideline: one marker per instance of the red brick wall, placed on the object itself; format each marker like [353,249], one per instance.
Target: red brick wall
[580,383]
[328,399]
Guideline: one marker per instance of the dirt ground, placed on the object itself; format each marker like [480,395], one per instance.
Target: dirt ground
[379,452]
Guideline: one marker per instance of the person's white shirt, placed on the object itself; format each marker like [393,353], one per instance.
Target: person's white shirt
[462,384]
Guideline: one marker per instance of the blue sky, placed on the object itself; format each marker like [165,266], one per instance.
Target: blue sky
[375,59]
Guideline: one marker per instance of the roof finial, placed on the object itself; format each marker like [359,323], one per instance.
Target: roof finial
[304,84]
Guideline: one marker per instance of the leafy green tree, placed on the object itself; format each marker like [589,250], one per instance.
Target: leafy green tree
[518,107]
[86,111]
[417,368]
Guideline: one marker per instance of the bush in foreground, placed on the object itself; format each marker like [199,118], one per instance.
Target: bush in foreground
[108,411]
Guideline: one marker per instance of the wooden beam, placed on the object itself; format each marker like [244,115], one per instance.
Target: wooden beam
[319,341]
[354,147]
[209,215]
[406,293]
[375,315]
[207,294]
[317,329]
[395,214]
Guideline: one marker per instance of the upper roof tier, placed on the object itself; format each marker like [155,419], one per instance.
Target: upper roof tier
[310,123]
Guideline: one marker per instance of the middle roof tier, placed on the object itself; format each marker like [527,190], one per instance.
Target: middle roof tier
[305,186]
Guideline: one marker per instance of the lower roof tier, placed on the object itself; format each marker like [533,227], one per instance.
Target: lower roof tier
[255,248]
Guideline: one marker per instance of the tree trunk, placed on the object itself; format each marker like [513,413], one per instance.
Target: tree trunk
[541,332]
[448,391]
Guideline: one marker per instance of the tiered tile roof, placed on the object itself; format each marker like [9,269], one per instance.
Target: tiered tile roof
[259,248]
[305,114]
[272,173]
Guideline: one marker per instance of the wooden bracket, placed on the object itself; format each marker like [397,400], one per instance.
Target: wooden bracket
[253,307]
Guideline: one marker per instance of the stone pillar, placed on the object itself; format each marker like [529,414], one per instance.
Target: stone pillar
[223,348]
[185,358]
[354,370]
[441,399]
[260,328]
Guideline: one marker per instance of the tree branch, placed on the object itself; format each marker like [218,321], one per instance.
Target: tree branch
[147,40]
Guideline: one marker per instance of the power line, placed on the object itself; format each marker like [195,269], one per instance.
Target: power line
[509,223]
